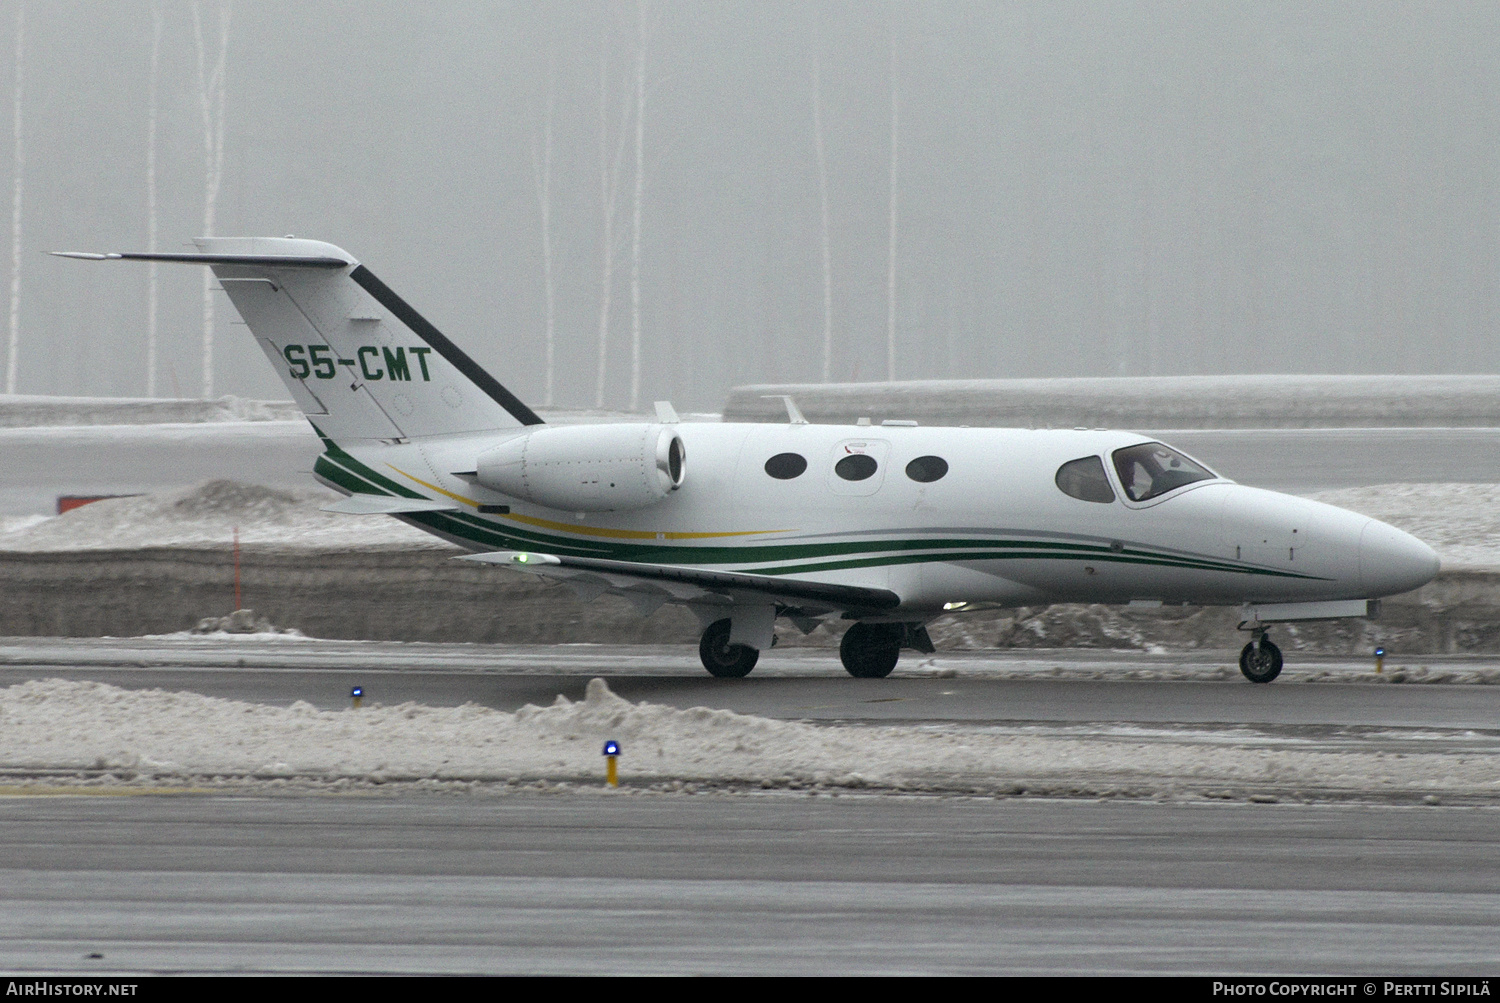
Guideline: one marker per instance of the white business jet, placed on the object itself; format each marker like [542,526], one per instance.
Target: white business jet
[884,526]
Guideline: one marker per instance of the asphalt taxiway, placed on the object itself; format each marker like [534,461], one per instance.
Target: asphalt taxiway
[1203,688]
[564,879]
[593,883]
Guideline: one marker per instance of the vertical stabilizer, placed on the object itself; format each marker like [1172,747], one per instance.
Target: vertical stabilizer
[357,358]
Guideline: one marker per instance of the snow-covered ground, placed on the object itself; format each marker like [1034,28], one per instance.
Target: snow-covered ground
[207,516]
[1251,401]
[1461,521]
[154,736]
[25,410]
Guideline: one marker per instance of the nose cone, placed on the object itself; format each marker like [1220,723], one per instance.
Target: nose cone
[1391,561]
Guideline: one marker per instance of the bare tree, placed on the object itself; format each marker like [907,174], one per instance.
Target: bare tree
[823,201]
[609,184]
[211,88]
[890,279]
[151,287]
[542,166]
[12,354]
[635,230]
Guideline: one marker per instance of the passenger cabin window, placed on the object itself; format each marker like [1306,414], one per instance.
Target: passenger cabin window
[1152,469]
[856,467]
[926,469]
[1085,480]
[785,466]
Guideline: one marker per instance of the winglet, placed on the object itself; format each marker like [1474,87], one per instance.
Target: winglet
[793,414]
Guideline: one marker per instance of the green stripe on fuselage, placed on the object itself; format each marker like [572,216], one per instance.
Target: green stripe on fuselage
[339,467]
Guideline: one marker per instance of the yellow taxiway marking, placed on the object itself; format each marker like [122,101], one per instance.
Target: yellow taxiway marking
[566,527]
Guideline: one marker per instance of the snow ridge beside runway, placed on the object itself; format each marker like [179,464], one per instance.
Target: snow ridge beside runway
[96,733]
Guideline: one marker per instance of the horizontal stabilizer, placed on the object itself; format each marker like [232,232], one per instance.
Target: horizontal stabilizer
[790,591]
[381,505]
[269,260]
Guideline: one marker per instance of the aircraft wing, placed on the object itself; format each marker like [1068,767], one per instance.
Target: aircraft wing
[649,585]
[381,505]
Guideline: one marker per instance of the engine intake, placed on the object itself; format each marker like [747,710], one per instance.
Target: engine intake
[587,468]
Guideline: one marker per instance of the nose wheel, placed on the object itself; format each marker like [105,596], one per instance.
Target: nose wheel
[1260,660]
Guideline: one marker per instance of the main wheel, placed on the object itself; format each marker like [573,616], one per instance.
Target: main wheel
[1261,662]
[722,659]
[870,650]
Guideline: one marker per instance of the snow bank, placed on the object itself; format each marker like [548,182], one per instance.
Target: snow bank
[24,410]
[56,724]
[1460,521]
[1145,402]
[207,515]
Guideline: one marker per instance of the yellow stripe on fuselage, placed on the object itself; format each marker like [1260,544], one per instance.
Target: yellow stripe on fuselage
[600,531]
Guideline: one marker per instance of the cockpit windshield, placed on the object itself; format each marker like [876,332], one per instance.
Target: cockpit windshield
[1152,469]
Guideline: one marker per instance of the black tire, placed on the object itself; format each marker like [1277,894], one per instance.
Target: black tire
[722,659]
[1260,663]
[871,650]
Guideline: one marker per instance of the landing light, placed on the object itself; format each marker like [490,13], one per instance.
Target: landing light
[955,605]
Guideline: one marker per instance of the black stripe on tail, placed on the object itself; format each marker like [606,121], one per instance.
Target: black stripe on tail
[447,349]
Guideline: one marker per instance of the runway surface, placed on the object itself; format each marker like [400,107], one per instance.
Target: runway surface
[577,879]
[43,463]
[797,683]
[591,883]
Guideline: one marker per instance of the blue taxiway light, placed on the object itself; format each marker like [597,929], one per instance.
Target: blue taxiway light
[611,748]
[358,691]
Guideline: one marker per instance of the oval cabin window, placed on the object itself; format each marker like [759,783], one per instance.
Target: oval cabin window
[785,466]
[926,469]
[856,467]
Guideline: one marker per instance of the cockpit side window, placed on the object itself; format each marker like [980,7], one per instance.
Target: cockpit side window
[1152,469]
[1085,480]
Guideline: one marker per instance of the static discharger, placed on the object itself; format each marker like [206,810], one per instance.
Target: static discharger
[357,696]
[1379,659]
[611,766]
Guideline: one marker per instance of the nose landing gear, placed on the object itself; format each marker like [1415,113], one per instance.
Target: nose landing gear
[1260,660]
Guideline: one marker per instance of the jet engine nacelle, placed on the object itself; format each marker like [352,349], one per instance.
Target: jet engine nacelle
[587,468]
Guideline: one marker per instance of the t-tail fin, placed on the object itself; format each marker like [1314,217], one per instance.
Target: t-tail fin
[356,357]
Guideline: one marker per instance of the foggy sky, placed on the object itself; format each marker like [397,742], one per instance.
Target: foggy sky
[1084,189]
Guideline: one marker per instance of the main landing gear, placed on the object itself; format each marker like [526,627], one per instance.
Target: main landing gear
[1260,661]
[722,659]
[870,650]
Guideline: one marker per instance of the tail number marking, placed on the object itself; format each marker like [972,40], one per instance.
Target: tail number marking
[318,361]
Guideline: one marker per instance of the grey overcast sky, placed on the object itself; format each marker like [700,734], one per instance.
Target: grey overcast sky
[1083,188]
